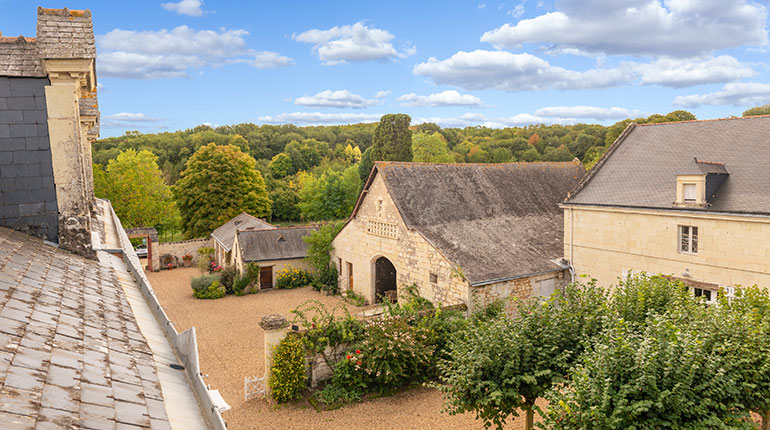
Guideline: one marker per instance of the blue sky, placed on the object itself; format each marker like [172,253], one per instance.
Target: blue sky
[168,65]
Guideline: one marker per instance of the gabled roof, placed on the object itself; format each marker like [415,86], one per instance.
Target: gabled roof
[640,168]
[495,221]
[225,234]
[283,243]
[71,352]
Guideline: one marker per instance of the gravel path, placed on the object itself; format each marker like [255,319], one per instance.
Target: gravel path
[231,346]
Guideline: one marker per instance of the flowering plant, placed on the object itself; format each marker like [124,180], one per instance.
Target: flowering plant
[187,257]
[214,267]
[292,277]
[170,266]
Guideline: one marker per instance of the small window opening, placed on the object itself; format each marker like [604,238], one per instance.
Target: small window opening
[689,193]
[433,278]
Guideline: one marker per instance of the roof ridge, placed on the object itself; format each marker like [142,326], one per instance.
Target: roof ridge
[464,164]
[704,120]
[290,227]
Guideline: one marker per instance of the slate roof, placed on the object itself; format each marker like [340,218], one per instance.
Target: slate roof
[71,353]
[640,168]
[61,33]
[225,234]
[495,221]
[283,243]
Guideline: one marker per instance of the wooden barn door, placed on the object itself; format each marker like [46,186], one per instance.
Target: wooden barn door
[265,277]
[384,280]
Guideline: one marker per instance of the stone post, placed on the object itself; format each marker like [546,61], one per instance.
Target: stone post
[275,330]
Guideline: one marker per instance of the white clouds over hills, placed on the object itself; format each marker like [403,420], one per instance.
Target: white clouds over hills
[352,43]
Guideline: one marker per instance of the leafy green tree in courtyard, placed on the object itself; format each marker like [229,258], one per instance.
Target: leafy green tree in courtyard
[133,183]
[392,140]
[500,366]
[218,183]
[430,148]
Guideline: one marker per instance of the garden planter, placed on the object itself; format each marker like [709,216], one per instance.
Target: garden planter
[187,263]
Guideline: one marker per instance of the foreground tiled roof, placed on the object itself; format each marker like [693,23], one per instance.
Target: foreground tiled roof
[71,353]
[19,56]
[641,167]
[495,221]
[225,234]
[274,244]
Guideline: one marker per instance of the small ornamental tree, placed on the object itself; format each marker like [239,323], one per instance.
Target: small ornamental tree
[499,366]
[218,183]
[667,376]
[287,374]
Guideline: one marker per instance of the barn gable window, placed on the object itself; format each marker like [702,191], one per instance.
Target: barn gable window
[433,278]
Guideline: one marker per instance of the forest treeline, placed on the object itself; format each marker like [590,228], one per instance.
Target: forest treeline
[315,173]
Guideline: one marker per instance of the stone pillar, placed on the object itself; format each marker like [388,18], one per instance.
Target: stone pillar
[275,330]
[69,78]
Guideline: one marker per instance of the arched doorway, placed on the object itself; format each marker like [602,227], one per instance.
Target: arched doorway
[384,279]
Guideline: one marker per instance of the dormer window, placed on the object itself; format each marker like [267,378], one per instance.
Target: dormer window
[690,193]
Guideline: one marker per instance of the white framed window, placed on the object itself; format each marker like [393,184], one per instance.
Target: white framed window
[689,192]
[709,296]
[688,239]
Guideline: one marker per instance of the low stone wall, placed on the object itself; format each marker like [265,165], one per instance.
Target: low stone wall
[521,288]
[179,249]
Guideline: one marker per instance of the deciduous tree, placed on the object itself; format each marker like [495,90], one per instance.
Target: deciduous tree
[430,148]
[392,140]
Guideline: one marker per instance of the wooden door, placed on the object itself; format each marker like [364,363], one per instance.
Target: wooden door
[350,276]
[265,277]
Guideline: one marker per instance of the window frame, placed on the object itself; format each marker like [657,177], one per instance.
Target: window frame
[694,188]
[691,239]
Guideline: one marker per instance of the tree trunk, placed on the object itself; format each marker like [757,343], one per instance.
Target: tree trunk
[530,416]
[766,421]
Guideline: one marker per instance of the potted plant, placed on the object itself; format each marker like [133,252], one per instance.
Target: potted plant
[187,258]
[170,266]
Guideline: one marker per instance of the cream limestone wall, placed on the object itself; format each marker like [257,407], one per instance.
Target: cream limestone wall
[277,265]
[732,250]
[521,288]
[412,256]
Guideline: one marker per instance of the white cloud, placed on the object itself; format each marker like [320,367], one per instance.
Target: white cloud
[482,5]
[517,11]
[129,120]
[736,94]
[474,119]
[271,60]
[174,53]
[483,69]
[185,7]
[591,112]
[681,28]
[444,98]
[382,94]
[318,118]
[356,42]
[679,73]
[335,99]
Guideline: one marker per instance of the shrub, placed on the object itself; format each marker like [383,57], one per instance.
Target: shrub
[252,272]
[287,377]
[292,277]
[326,280]
[206,255]
[227,278]
[202,283]
[240,284]
[355,298]
[214,291]
[320,245]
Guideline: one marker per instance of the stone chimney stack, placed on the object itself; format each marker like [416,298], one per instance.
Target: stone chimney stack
[48,118]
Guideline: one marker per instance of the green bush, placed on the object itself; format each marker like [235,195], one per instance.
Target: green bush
[292,277]
[239,285]
[214,291]
[355,298]
[202,283]
[326,280]
[251,272]
[287,376]
[320,245]
[227,278]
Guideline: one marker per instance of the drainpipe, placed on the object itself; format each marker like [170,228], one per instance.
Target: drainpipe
[571,244]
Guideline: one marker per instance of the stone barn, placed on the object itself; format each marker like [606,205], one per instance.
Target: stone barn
[461,233]
[273,249]
[224,235]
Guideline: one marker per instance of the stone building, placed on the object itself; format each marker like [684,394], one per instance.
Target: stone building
[82,344]
[273,249]
[461,233]
[48,117]
[685,199]
[224,235]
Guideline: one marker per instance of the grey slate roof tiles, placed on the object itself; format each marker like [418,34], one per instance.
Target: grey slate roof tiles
[275,244]
[20,57]
[495,221]
[71,353]
[225,233]
[640,168]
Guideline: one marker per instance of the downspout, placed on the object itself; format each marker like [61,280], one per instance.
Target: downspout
[571,244]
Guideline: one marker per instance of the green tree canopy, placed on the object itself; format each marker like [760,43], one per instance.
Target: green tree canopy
[758,110]
[280,166]
[392,140]
[430,148]
[366,164]
[133,183]
[331,195]
[218,183]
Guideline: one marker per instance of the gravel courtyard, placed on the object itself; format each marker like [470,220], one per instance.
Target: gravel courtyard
[231,347]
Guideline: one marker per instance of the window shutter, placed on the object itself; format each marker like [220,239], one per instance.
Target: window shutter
[689,193]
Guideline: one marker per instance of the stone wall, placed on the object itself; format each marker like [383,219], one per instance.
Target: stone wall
[412,256]
[179,249]
[732,250]
[27,192]
[520,288]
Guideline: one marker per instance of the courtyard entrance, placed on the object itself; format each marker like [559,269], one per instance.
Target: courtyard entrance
[384,280]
